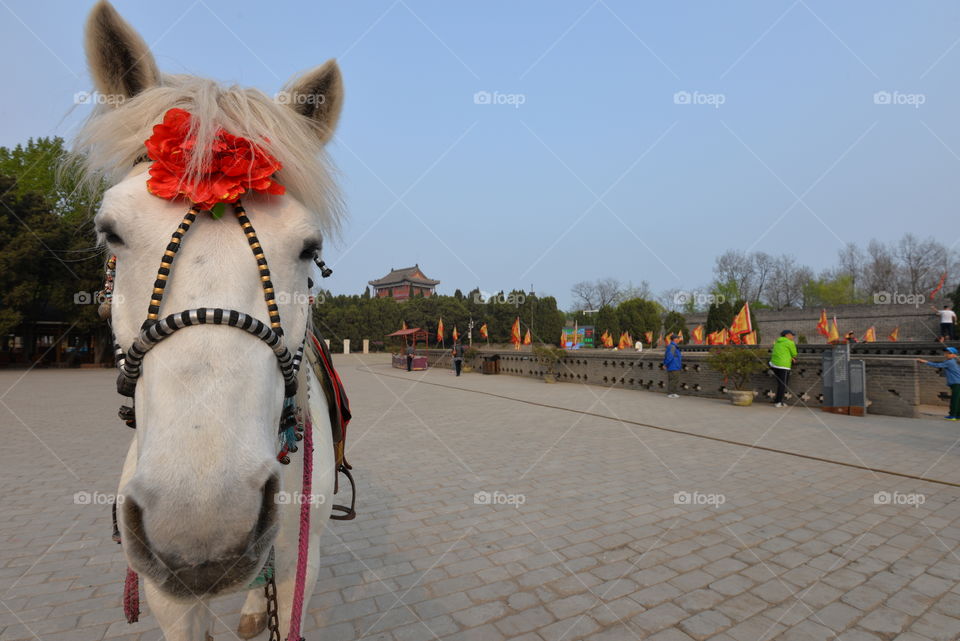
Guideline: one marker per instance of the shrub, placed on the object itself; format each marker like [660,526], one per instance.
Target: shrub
[737,364]
[548,356]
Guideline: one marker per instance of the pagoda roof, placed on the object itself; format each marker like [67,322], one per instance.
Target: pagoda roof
[404,275]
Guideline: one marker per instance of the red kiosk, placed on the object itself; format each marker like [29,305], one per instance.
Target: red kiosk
[414,334]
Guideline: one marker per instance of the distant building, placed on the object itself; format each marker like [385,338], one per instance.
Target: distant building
[401,284]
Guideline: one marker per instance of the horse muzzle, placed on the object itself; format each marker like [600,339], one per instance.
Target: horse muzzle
[186,567]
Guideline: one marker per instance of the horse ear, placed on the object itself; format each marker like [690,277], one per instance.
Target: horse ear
[120,61]
[318,95]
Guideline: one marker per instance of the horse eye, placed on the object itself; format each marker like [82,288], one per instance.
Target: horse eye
[110,235]
[310,249]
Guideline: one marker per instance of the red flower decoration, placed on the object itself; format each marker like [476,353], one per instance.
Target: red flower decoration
[237,165]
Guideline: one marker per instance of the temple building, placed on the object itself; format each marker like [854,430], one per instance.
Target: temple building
[405,283]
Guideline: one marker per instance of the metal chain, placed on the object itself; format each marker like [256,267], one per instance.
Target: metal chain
[273,616]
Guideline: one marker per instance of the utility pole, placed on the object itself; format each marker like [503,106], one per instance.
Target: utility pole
[532,301]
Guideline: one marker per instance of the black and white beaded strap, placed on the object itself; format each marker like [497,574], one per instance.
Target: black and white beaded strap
[130,366]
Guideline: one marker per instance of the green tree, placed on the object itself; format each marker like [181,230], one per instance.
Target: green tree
[638,316]
[609,320]
[675,322]
[719,315]
[829,291]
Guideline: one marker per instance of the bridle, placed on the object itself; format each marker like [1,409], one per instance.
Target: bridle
[295,423]
[154,329]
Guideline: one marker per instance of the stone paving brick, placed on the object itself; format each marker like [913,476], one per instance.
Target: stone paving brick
[567,629]
[526,621]
[885,621]
[837,616]
[705,624]
[937,627]
[670,635]
[659,617]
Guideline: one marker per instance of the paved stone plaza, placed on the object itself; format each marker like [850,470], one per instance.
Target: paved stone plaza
[493,507]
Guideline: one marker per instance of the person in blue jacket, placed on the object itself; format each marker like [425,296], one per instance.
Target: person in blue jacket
[673,363]
[952,369]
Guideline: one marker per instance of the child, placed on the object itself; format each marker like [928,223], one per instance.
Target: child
[953,380]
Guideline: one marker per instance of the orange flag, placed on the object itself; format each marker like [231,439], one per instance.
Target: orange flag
[750,338]
[649,337]
[483,331]
[697,334]
[607,339]
[936,290]
[871,335]
[894,335]
[834,335]
[625,341]
[515,333]
[822,326]
[741,322]
[526,338]
[455,334]
[440,330]
[724,336]
[680,335]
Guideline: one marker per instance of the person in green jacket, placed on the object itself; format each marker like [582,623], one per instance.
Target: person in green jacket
[782,358]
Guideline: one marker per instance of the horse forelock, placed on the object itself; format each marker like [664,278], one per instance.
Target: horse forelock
[112,139]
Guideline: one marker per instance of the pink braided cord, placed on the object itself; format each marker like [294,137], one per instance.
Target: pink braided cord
[131,596]
[296,610]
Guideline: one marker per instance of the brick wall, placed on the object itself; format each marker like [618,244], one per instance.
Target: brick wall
[917,323]
[896,385]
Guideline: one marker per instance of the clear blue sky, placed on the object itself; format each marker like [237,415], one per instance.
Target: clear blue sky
[599,172]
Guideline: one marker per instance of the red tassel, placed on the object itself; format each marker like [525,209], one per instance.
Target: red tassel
[131,597]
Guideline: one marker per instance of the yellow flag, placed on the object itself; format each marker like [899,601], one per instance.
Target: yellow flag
[834,335]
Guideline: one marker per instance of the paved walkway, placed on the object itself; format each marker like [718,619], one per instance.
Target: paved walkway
[487,514]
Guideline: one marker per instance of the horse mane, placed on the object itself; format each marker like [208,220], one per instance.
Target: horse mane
[112,139]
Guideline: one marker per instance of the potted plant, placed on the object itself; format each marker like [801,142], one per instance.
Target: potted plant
[737,364]
[468,356]
[548,357]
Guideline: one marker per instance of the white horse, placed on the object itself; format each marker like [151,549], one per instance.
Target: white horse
[201,477]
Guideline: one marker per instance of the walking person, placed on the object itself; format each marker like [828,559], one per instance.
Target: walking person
[673,363]
[782,358]
[457,356]
[411,352]
[952,369]
[948,323]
